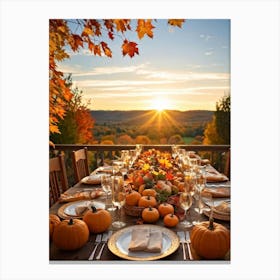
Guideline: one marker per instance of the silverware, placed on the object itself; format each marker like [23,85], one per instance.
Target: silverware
[105,238]
[182,237]
[217,186]
[188,245]
[96,243]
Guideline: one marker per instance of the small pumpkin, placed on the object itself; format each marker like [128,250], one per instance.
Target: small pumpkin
[170,220]
[151,192]
[146,201]
[54,221]
[210,240]
[70,234]
[97,220]
[141,188]
[165,208]
[132,198]
[150,215]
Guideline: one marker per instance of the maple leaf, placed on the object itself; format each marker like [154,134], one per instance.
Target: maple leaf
[122,24]
[106,49]
[87,31]
[176,22]
[111,35]
[129,48]
[76,42]
[97,50]
[144,27]
[90,46]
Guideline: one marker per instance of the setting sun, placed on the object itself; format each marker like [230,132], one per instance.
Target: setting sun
[159,104]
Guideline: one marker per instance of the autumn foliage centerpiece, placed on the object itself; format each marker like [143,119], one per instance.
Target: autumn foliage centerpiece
[155,179]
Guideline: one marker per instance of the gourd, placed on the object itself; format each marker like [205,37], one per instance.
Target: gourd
[54,221]
[132,198]
[165,208]
[150,215]
[150,192]
[97,220]
[146,201]
[170,220]
[210,240]
[70,234]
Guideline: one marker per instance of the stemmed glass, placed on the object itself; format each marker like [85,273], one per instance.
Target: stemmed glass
[106,186]
[185,201]
[118,198]
[200,185]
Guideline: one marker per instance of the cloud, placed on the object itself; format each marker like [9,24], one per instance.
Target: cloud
[206,37]
[208,53]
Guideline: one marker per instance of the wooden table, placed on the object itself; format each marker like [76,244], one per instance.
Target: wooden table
[83,254]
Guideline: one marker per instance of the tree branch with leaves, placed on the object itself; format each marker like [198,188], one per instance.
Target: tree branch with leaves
[89,34]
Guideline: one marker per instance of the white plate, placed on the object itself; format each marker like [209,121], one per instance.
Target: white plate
[70,209]
[119,242]
[92,179]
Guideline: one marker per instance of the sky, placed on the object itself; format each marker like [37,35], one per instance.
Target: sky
[182,69]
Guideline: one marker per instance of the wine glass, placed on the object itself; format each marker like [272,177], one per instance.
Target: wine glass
[185,201]
[200,186]
[123,169]
[190,182]
[106,186]
[118,198]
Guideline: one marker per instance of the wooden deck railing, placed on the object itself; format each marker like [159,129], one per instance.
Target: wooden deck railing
[219,155]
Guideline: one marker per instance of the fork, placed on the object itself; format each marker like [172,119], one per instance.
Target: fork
[105,238]
[96,243]
[188,245]
[182,237]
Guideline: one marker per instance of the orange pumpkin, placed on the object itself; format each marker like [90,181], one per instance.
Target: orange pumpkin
[146,201]
[54,221]
[151,192]
[132,198]
[98,220]
[150,215]
[210,240]
[165,208]
[70,234]
[170,220]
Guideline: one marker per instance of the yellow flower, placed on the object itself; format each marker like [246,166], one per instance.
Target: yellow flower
[146,167]
[155,173]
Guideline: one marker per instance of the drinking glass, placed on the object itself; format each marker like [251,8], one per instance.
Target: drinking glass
[106,186]
[189,182]
[118,198]
[138,149]
[185,201]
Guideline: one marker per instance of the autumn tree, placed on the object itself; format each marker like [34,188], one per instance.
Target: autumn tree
[125,139]
[176,139]
[77,124]
[91,34]
[142,139]
[218,130]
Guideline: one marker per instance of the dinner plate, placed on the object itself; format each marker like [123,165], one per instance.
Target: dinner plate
[119,242]
[67,211]
[92,179]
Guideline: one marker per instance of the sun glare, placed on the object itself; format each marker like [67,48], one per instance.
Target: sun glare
[159,104]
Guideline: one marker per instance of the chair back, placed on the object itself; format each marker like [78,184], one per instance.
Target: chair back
[58,182]
[80,163]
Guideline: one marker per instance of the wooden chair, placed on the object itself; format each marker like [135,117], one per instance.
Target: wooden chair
[58,182]
[80,163]
[227,167]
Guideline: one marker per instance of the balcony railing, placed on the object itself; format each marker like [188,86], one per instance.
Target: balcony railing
[219,155]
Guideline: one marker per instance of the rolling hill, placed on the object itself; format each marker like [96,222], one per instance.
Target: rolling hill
[142,116]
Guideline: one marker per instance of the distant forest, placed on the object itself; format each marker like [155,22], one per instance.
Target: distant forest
[150,127]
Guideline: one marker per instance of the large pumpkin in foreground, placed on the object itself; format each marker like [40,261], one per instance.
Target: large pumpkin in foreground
[210,240]
[53,222]
[70,234]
